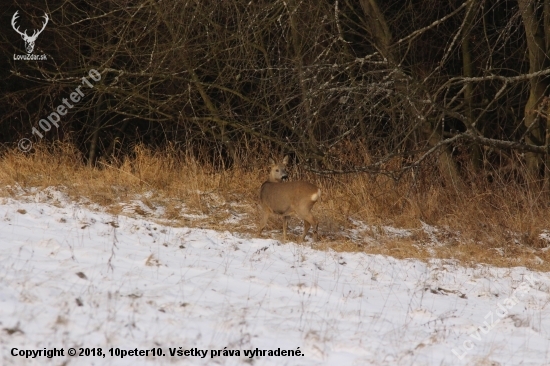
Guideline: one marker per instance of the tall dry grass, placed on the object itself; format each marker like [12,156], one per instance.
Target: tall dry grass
[498,224]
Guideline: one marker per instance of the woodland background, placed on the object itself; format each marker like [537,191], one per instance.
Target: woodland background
[404,112]
[344,86]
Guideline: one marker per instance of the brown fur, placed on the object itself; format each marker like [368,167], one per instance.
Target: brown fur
[286,198]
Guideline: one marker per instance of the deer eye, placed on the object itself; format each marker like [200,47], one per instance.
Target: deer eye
[276,170]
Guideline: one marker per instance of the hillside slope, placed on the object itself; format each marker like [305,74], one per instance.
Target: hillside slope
[75,277]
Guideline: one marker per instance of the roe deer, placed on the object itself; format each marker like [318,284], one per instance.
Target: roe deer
[285,198]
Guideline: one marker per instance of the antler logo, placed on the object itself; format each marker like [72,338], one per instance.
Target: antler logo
[29,40]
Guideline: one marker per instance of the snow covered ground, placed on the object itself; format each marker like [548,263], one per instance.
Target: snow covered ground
[73,277]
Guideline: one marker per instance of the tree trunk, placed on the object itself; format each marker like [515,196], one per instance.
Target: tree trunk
[382,40]
[297,45]
[94,141]
[538,59]
[468,72]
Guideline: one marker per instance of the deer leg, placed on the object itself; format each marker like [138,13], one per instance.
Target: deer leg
[306,229]
[285,223]
[315,237]
[310,221]
[263,220]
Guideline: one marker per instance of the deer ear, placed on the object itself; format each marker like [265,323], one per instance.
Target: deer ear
[285,160]
[271,161]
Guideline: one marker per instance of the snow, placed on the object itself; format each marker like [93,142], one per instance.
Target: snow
[75,276]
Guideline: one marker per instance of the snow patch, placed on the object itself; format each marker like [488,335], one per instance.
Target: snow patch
[73,277]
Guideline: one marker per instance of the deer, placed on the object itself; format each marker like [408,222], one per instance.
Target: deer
[29,40]
[286,198]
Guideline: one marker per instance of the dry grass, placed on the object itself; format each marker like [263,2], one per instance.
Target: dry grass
[487,224]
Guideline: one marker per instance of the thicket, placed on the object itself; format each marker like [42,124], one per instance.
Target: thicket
[456,90]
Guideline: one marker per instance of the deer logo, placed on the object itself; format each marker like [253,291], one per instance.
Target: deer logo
[29,40]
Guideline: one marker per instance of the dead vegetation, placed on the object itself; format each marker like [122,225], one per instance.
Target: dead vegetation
[502,225]
[443,138]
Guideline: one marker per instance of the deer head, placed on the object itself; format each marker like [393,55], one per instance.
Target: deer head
[29,40]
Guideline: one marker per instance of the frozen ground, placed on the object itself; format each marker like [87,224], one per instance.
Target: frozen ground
[75,277]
